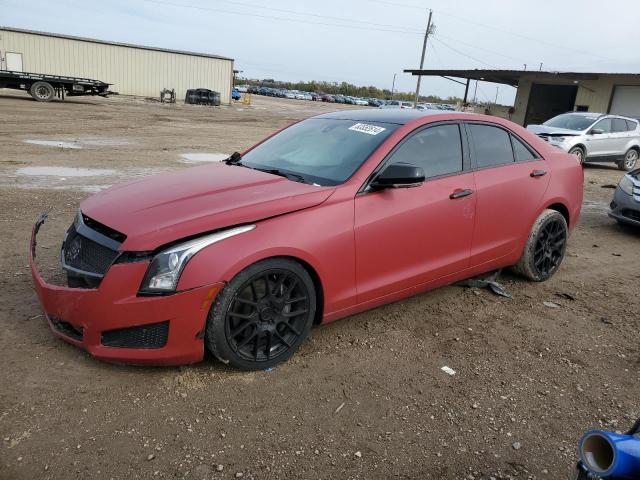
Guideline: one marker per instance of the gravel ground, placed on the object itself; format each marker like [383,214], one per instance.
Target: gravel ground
[364,398]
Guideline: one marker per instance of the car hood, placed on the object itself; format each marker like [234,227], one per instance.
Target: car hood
[543,129]
[167,207]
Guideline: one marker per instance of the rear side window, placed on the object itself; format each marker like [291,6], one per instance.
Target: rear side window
[521,152]
[618,125]
[492,145]
[631,125]
[438,150]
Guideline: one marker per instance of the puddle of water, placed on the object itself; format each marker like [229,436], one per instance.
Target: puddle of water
[203,157]
[63,172]
[54,143]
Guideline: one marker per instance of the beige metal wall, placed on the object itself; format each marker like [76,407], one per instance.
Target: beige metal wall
[596,94]
[132,71]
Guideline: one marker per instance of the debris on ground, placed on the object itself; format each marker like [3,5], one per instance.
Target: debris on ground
[551,305]
[489,282]
[448,370]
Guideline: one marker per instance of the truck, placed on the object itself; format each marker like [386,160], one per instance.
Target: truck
[44,87]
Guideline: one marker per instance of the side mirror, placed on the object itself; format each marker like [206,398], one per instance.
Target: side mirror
[398,175]
[596,131]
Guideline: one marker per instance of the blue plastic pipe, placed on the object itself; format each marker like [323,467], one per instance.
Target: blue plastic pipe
[611,455]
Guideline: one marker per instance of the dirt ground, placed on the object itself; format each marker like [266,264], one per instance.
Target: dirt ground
[364,398]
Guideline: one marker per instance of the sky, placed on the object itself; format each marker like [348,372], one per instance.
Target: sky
[364,42]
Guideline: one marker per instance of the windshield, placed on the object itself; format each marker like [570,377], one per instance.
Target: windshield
[320,150]
[572,121]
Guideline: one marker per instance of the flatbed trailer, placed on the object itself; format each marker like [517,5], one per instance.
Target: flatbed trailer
[44,88]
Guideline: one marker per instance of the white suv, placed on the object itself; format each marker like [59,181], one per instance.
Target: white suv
[594,137]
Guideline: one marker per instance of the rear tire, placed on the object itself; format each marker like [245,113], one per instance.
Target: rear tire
[578,152]
[545,248]
[263,315]
[630,160]
[42,91]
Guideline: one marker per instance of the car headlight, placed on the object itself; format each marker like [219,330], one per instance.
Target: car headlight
[165,268]
[626,185]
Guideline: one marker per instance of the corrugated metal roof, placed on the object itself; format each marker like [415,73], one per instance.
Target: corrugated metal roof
[512,77]
[118,44]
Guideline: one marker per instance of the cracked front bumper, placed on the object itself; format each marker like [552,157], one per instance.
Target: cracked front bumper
[89,318]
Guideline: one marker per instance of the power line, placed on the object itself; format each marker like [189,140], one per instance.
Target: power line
[298,12]
[462,53]
[491,27]
[455,40]
[273,17]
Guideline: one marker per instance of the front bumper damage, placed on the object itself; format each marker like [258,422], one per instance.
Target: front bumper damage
[156,330]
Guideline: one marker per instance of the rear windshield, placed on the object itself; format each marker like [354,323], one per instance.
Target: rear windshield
[323,151]
[572,121]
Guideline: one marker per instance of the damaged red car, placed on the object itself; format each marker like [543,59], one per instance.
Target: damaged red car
[331,216]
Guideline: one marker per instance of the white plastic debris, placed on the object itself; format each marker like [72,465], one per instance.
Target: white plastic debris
[448,370]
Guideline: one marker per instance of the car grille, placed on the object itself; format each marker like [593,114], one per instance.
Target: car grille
[66,329]
[84,255]
[147,336]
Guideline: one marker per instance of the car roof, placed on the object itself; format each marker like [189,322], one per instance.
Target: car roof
[397,116]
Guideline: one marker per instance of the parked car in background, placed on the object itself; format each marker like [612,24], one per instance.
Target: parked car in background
[594,137]
[235,94]
[375,102]
[315,96]
[290,94]
[397,104]
[327,98]
[361,101]
[625,207]
[329,217]
[242,88]
[339,99]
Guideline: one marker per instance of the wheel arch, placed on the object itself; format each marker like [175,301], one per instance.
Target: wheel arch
[562,209]
[582,147]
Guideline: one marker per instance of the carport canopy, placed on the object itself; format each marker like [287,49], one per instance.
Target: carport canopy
[506,77]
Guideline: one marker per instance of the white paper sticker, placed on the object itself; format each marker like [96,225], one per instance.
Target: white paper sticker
[368,129]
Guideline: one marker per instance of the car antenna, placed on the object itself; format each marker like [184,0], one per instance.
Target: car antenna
[234,158]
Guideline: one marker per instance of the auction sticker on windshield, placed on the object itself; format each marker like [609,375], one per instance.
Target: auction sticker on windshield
[368,129]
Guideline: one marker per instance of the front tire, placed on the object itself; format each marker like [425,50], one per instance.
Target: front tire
[545,247]
[263,315]
[630,160]
[578,152]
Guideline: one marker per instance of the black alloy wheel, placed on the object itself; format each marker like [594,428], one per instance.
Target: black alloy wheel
[550,246]
[263,315]
[545,247]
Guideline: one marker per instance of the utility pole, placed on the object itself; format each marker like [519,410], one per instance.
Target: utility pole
[475,91]
[424,51]
[393,85]
[497,90]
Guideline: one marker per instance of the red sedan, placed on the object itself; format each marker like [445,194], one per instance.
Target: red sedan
[334,215]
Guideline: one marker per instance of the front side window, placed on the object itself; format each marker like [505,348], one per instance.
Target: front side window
[438,150]
[604,125]
[492,145]
[320,150]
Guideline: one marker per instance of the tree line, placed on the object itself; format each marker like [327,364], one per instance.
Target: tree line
[345,88]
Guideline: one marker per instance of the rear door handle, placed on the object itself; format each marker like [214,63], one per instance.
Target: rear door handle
[538,173]
[459,193]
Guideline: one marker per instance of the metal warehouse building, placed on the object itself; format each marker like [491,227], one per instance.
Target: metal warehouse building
[132,69]
[542,95]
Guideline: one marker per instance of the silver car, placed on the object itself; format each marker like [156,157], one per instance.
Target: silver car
[594,137]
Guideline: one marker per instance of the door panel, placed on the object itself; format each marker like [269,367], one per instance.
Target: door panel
[601,143]
[408,236]
[508,198]
[14,61]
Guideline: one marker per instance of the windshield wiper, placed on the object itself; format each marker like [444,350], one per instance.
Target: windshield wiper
[274,171]
[234,159]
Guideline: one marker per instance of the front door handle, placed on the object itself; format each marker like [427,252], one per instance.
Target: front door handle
[460,193]
[538,173]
